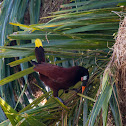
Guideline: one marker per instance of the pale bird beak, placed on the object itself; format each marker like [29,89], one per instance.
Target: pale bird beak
[84,83]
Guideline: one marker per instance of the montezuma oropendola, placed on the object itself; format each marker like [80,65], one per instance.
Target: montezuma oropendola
[58,77]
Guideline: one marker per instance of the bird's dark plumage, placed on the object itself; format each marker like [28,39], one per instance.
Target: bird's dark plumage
[58,77]
[40,56]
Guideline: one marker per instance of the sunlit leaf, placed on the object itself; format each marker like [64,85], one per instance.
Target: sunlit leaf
[17,62]
[104,97]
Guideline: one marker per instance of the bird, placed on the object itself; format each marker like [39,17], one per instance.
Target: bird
[57,77]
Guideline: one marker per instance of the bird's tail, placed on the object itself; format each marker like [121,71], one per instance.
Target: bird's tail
[39,51]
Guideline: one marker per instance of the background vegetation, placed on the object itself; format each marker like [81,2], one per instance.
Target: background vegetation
[80,33]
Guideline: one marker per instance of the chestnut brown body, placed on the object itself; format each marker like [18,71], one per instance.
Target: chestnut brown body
[58,77]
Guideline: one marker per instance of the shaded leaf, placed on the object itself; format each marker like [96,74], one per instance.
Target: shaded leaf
[16,76]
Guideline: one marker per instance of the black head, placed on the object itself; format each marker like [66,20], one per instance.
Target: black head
[84,75]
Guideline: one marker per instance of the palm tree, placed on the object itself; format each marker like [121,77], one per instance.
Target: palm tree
[80,35]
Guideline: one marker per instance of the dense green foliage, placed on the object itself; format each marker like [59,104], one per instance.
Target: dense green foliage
[80,35]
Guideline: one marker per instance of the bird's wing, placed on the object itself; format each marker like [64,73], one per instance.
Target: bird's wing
[56,73]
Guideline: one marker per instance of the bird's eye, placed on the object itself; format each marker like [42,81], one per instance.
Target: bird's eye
[83,78]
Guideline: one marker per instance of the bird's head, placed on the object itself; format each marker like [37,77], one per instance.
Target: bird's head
[84,77]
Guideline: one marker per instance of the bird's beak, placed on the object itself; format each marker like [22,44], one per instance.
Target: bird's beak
[84,82]
[83,88]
